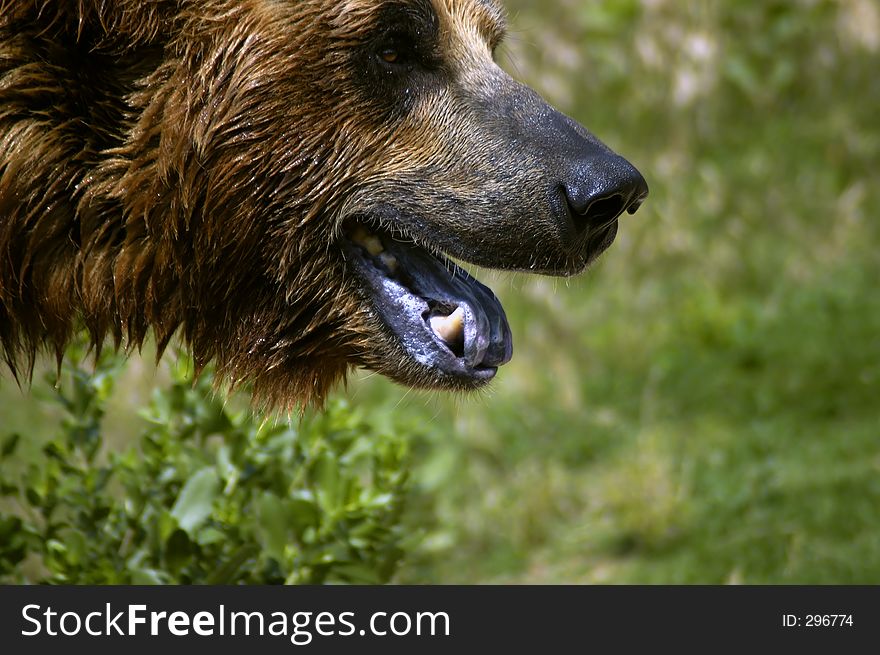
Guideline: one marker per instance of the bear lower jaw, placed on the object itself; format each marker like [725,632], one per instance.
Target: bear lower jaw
[449,325]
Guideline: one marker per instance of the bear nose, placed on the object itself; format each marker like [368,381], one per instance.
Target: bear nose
[601,188]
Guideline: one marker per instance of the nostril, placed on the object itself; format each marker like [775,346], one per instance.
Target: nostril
[598,213]
[634,207]
[598,189]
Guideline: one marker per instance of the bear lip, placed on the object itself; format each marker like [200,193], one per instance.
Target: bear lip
[414,291]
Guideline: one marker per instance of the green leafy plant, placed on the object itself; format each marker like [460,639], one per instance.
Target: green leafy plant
[206,494]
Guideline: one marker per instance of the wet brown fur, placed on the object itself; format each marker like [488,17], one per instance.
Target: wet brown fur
[183,168]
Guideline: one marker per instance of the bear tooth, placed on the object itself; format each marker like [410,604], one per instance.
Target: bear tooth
[390,261]
[360,234]
[370,242]
[374,246]
[449,328]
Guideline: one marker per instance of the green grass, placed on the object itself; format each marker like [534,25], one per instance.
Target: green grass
[707,441]
[704,405]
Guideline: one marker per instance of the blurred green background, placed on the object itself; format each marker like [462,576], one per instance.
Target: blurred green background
[703,406]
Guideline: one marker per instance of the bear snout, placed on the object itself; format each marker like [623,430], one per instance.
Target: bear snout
[591,186]
[562,188]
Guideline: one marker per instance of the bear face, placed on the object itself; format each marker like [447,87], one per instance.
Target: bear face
[283,183]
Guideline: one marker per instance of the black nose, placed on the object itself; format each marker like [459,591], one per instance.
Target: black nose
[600,188]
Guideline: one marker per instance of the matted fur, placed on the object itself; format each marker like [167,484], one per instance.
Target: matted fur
[185,167]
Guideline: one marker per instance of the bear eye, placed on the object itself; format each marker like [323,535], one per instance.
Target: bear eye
[396,52]
[389,55]
[394,56]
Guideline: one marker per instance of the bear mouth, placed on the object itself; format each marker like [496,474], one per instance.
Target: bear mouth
[450,325]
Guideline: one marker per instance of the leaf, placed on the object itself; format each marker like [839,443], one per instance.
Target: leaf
[327,480]
[225,573]
[9,526]
[195,501]
[303,514]
[33,496]
[9,445]
[77,548]
[210,535]
[356,573]
[163,525]
[273,521]
[178,550]
[148,577]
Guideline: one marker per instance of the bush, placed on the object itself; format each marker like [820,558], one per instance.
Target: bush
[206,494]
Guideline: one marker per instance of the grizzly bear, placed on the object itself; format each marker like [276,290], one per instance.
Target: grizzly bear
[283,183]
